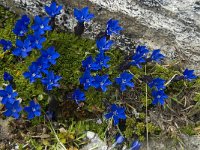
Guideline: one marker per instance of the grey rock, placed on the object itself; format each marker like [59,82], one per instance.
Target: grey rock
[5,133]
[185,142]
[95,142]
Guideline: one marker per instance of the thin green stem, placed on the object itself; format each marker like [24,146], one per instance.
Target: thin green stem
[119,130]
[147,130]
[55,134]
[168,82]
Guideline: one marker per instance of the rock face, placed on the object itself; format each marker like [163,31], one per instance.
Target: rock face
[170,25]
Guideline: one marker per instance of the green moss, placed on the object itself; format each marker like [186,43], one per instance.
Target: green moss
[72,51]
[130,122]
[197,97]
[137,71]
[153,129]
[83,126]
[7,20]
[137,128]
[189,130]
[160,71]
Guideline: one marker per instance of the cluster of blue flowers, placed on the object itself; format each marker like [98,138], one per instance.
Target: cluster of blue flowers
[37,70]
[135,145]
[124,80]
[101,60]
[158,86]
[102,82]
[12,104]
[24,46]
[140,56]
[41,65]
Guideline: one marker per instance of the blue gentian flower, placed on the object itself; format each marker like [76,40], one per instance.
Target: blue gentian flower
[7,77]
[23,48]
[88,64]
[135,145]
[8,95]
[83,15]
[113,27]
[53,10]
[116,112]
[158,83]
[101,61]
[119,139]
[101,82]
[156,56]
[6,44]
[124,80]
[36,41]
[140,56]
[20,29]
[41,25]
[86,80]
[104,45]
[42,65]
[13,109]
[189,74]
[21,26]
[33,110]
[51,80]
[33,73]
[159,97]
[142,50]
[50,55]
[26,20]
[78,96]
[137,60]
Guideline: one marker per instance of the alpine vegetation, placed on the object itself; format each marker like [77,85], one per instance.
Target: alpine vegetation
[101,82]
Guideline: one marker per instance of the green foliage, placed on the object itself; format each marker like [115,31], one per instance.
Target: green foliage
[13,65]
[197,97]
[7,20]
[137,71]
[137,128]
[72,51]
[161,71]
[189,130]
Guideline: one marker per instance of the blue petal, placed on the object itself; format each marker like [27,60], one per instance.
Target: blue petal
[116,120]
